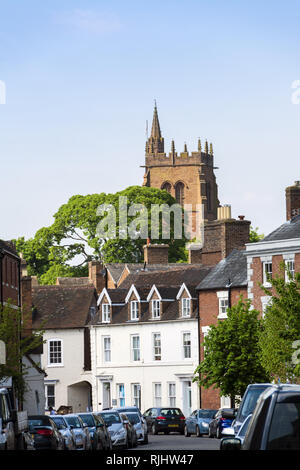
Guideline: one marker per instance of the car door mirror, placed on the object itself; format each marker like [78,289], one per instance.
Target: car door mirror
[230,443]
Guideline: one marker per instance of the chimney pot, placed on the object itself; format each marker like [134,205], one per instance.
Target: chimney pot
[241,217]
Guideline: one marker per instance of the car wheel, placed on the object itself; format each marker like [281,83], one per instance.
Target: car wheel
[209,433]
[186,433]
[146,440]
[198,433]
[218,433]
[166,432]
[153,429]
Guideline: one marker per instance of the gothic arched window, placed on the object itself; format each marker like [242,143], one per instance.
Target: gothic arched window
[166,186]
[179,192]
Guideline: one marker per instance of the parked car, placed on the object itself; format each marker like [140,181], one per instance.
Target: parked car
[81,432]
[164,420]
[274,424]
[222,419]
[135,409]
[13,423]
[140,428]
[198,422]
[118,432]
[132,435]
[227,432]
[100,436]
[248,403]
[45,433]
[66,431]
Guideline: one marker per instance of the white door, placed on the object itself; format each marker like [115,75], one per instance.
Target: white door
[106,403]
[187,398]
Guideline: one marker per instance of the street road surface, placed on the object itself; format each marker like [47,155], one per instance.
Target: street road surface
[178,442]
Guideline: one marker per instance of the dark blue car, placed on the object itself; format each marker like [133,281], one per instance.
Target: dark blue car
[198,422]
[223,419]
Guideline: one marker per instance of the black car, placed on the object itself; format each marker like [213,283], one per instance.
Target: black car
[100,436]
[131,432]
[164,420]
[45,433]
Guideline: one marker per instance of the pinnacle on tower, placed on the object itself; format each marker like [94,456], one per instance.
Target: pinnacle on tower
[211,149]
[185,148]
[199,145]
[155,143]
[206,147]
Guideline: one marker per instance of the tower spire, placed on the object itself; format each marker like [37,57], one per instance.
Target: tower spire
[155,143]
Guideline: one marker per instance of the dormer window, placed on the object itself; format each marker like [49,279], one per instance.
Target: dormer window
[186,307]
[134,310]
[105,313]
[155,308]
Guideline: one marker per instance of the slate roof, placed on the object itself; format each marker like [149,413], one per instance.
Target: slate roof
[8,246]
[58,307]
[288,230]
[234,267]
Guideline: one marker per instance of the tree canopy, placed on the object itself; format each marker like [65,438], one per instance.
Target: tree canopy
[65,247]
[231,352]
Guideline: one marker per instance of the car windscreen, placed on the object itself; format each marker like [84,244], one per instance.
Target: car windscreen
[88,420]
[111,418]
[284,433]
[171,412]
[60,423]
[249,404]
[73,421]
[133,418]
[206,413]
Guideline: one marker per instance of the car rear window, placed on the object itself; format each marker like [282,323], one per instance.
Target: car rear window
[284,431]
[171,412]
[43,421]
[249,404]
[73,421]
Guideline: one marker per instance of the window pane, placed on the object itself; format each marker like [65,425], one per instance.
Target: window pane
[285,427]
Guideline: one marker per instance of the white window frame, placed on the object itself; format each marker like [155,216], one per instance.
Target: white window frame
[185,347]
[121,394]
[265,302]
[106,350]
[105,313]
[134,310]
[156,347]
[47,396]
[136,394]
[155,308]
[223,298]
[266,283]
[186,307]
[61,362]
[172,394]
[134,349]
[157,394]
[288,262]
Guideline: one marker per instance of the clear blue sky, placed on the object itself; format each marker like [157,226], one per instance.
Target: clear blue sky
[81,78]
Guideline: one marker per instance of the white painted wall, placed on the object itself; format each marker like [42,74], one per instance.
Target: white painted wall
[71,371]
[34,397]
[122,369]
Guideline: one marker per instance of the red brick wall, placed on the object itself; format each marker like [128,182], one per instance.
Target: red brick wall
[208,312]
[10,279]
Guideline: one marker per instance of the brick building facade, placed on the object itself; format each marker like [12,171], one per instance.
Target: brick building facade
[10,266]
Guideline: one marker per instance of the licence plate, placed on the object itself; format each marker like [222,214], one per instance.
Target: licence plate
[173,425]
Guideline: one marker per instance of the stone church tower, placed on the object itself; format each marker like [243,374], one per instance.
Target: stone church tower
[188,177]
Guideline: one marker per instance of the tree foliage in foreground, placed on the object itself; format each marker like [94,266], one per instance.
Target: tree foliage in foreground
[231,352]
[18,343]
[279,350]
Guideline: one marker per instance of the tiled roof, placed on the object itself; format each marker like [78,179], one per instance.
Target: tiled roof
[8,246]
[288,230]
[234,267]
[62,307]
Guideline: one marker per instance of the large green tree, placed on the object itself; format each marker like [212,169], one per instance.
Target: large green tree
[231,352]
[65,247]
[279,342]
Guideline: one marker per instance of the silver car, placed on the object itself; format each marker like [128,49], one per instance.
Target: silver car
[80,430]
[136,421]
[117,430]
[66,431]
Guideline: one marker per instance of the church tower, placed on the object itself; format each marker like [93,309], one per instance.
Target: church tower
[188,177]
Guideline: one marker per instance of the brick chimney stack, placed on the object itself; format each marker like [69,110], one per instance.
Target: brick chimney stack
[292,198]
[97,276]
[155,253]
